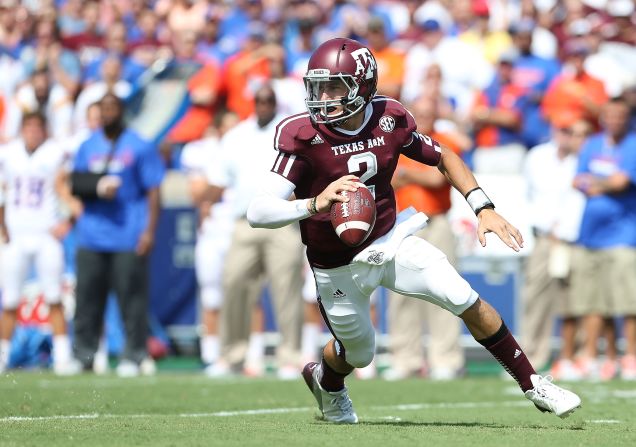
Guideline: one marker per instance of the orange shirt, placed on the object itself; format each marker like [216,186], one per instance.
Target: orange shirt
[390,67]
[564,97]
[429,201]
[242,76]
[197,118]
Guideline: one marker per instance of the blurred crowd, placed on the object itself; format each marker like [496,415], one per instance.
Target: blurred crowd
[517,87]
[59,56]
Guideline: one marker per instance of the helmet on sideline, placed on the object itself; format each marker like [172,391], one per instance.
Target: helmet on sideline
[345,60]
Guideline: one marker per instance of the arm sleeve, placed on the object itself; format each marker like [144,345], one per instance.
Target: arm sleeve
[270,208]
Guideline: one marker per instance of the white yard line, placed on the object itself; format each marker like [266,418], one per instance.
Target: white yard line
[283,410]
[48,418]
[150,415]
[260,411]
[247,412]
[426,406]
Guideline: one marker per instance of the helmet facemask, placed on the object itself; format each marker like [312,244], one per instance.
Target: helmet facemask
[315,83]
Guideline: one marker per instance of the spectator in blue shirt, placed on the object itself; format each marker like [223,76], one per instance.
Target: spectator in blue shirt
[534,74]
[604,275]
[115,234]
[116,45]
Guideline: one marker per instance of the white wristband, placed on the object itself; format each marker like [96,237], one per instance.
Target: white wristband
[478,200]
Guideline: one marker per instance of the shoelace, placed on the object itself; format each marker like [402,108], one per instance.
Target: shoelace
[545,384]
[343,402]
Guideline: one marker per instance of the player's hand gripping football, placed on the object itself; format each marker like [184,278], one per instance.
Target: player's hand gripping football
[331,193]
[491,222]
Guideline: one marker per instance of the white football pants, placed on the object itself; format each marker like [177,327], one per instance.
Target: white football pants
[418,270]
[18,257]
[209,257]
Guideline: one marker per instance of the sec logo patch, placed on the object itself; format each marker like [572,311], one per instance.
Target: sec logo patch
[387,123]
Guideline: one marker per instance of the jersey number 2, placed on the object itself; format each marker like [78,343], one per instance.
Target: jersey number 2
[368,158]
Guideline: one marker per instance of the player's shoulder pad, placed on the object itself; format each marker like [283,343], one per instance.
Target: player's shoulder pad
[294,133]
[387,106]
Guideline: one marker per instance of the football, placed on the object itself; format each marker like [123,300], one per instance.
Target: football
[353,220]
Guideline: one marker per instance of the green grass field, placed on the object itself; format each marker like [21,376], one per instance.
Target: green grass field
[186,409]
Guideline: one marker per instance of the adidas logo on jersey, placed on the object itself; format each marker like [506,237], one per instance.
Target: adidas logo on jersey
[517,353]
[339,294]
[317,140]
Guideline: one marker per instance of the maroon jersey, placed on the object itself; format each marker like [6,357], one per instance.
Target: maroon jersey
[312,156]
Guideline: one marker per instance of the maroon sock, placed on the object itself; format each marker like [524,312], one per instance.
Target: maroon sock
[331,380]
[503,346]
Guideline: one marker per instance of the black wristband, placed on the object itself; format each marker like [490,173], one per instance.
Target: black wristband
[489,206]
[312,206]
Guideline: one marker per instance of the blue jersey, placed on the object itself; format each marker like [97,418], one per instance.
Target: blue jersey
[115,225]
[609,220]
[534,74]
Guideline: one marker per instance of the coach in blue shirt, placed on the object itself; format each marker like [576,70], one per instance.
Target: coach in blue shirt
[604,276]
[115,233]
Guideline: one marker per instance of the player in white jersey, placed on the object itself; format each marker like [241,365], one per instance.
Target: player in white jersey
[32,227]
[214,235]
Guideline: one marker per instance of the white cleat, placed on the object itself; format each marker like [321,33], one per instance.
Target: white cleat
[218,370]
[366,373]
[71,367]
[100,363]
[148,367]
[334,406]
[288,372]
[549,397]
[127,368]
[566,370]
[443,373]
[395,374]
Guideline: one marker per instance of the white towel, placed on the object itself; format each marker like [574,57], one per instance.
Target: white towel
[384,248]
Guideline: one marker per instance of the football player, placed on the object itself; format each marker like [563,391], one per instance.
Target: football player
[350,135]
[31,225]
[213,236]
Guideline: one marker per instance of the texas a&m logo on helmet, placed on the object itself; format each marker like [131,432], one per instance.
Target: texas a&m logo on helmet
[340,60]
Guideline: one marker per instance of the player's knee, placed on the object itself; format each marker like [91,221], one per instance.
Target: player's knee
[359,352]
[360,358]
[458,298]
[472,309]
